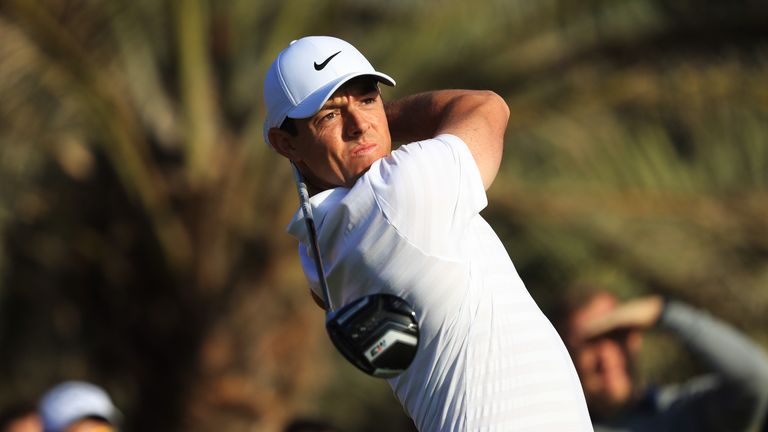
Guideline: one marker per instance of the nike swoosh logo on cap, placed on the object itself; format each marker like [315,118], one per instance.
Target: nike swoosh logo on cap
[319,67]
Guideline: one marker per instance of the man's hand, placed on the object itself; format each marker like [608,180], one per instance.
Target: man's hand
[639,314]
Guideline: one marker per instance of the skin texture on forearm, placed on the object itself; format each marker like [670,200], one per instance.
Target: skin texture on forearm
[415,117]
[479,118]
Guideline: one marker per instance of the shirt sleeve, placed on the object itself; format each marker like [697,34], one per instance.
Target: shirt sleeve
[430,191]
[735,395]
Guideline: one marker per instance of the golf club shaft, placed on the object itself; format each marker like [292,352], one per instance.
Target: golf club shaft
[312,232]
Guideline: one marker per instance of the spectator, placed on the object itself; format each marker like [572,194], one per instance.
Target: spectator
[21,417]
[604,338]
[76,406]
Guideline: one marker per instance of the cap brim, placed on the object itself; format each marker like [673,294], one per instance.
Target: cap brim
[312,103]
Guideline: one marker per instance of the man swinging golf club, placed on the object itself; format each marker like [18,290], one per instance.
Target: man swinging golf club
[393,244]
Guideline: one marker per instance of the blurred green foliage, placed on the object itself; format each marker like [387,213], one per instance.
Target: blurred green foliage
[142,216]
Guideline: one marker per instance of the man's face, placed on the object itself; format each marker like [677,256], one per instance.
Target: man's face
[28,423]
[90,425]
[604,363]
[339,143]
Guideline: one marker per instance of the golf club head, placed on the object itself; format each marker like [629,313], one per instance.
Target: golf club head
[378,333]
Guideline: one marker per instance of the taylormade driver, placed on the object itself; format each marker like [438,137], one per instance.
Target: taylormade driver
[378,333]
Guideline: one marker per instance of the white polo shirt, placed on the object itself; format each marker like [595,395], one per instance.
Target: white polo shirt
[488,359]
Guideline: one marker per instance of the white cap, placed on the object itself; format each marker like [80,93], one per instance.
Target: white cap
[305,75]
[74,400]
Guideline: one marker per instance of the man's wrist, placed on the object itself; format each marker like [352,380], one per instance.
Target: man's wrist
[665,301]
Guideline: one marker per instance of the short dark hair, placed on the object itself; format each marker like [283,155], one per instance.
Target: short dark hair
[289,125]
[370,82]
[572,298]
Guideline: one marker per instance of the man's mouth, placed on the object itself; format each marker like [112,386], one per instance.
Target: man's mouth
[363,149]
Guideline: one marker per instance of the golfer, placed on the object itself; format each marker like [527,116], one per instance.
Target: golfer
[407,223]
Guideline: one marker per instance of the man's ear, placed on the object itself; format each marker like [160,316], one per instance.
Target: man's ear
[282,142]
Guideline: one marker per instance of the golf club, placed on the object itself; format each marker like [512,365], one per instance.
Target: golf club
[378,333]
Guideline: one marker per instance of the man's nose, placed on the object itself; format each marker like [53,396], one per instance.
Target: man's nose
[609,351]
[356,123]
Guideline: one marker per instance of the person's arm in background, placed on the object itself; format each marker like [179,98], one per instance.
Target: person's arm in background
[741,365]
[736,398]
[479,118]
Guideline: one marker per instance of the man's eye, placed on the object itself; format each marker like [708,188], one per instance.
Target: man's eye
[328,116]
[369,100]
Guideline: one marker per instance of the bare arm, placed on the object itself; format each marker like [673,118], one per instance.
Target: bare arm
[638,314]
[479,118]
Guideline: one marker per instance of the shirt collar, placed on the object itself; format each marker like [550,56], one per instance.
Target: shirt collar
[320,203]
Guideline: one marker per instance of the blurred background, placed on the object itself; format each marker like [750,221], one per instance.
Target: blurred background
[142,218]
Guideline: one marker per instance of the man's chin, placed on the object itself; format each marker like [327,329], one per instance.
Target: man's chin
[364,164]
[618,396]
